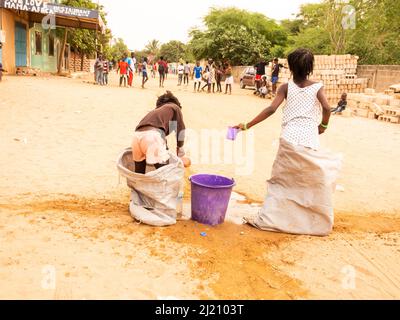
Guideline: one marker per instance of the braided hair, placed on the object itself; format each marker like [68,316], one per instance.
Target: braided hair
[301,63]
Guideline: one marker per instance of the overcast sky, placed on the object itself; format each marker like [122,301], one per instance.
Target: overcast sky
[137,22]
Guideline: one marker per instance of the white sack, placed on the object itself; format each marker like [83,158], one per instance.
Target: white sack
[154,196]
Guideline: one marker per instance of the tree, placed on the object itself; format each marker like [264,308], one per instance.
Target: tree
[316,28]
[84,41]
[293,26]
[258,22]
[140,55]
[323,28]
[62,51]
[315,39]
[233,43]
[105,39]
[118,50]
[376,37]
[237,35]
[174,51]
[153,47]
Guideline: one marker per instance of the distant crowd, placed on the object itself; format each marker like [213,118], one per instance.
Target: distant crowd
[210,78]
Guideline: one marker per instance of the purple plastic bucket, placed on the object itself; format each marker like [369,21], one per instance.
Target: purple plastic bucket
[210,198]
[232,133]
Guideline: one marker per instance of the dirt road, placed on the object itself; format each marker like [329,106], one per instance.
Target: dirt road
[63,210]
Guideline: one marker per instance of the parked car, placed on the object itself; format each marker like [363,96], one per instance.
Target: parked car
[247,79]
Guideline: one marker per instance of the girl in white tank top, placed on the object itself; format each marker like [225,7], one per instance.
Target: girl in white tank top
[302,115]
[299,199]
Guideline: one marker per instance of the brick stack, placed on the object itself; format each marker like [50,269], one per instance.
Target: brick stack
[383,107]
[337,72]
[75,63]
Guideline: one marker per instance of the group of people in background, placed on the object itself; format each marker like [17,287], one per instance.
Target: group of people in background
[212,77]
[126,70]
[102,68]
[262,85]
[184,72]
[128,66]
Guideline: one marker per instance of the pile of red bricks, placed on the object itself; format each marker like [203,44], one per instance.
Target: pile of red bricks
[75,63]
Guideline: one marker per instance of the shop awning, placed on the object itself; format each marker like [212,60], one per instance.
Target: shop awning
[63,16]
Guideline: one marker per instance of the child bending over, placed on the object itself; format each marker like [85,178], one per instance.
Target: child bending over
[149,146]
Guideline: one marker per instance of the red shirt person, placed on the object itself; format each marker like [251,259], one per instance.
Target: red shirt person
[123,71]
[162,70]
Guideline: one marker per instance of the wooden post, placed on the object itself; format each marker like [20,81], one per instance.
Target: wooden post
[82,60]
[62,52]
[74,60]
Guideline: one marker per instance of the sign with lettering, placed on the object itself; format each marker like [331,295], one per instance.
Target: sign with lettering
[46,8]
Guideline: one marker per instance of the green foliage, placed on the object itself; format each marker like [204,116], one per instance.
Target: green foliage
[176,51]
[243,37]
[84,40]
[277,51]
[257,22]
[238,36]
[141,54]
[315,39]
[375,38]
[232,43]
[153,47]
[318,28]
[117,51]
[292,26]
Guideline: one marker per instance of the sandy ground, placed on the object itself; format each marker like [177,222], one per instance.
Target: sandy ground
[64,211]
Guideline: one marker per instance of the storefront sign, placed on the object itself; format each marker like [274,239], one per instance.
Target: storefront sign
[44,7]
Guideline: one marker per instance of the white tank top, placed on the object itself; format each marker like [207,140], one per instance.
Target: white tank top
[302,115]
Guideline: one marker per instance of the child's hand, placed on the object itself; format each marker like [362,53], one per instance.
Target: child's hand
[180,152]
[240,127]
[186,162]
[321,130]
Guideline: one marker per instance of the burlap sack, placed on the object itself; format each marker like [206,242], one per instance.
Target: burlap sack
[299,199]
[154,196]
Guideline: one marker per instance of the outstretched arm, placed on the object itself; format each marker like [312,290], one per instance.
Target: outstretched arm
[266,113]
[326,111]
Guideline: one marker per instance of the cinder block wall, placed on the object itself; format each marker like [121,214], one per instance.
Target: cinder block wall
[380,77]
